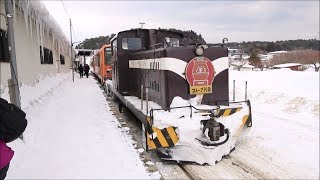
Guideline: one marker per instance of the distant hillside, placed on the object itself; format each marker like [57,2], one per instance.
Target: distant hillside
[300,44]
[95,43]
[191,37]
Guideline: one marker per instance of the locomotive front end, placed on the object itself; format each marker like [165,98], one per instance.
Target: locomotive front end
[199,124]
[180,93]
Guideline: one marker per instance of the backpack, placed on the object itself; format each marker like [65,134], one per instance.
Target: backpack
[13,121]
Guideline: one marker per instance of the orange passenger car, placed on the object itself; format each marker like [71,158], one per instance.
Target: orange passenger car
[102,63]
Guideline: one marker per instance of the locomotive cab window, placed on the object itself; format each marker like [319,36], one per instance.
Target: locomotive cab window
[114,47]
[171,42]
[131,43]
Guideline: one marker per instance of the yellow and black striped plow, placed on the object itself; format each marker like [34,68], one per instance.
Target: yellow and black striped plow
[246,122]
[227,112]
[157,138]
[220,112]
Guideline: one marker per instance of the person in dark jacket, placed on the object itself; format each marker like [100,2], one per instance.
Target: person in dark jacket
[86,69]
[6,155]
[80,69]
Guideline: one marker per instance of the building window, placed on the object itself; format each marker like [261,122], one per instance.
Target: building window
[62,59]
[4,47]
[46,56]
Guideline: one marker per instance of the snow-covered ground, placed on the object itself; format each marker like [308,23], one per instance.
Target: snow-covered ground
[72,134]
[285,131]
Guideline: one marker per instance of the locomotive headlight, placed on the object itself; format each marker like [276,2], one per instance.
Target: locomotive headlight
[225,40]
[199,51]
[167,40]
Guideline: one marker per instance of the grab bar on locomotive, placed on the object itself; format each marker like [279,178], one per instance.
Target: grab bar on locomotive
[179,107]
[192,107]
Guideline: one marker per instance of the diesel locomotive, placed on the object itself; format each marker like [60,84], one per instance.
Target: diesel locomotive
[180,93]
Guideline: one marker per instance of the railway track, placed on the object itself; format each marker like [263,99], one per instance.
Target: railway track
[229,168]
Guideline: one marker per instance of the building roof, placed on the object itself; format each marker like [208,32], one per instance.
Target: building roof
[36,11]
[286,65]
[277,52]
[84,52]
[247,66]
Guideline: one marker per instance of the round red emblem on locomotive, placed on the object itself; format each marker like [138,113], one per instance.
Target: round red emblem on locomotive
[199,74]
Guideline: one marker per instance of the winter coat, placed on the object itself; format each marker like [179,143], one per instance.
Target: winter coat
[86,68]
[6,154]
[80,69]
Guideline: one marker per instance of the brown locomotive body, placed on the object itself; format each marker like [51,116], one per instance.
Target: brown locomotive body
[160,67]
[154,67]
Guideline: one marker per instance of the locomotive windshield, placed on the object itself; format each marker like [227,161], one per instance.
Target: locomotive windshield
[171,42]
[131,43]
[107,56]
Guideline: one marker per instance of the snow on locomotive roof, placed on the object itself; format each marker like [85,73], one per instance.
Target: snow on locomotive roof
[36,14]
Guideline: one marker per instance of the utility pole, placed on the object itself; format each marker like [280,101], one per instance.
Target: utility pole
[13,82]
[72,61]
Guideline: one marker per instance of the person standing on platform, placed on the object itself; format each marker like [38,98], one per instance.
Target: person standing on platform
[80,69]
[86,70]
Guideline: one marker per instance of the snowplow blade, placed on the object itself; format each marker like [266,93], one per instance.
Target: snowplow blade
[160,138]
[197,147]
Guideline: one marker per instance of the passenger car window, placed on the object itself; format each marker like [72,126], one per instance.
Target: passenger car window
[107,56]
[131,43]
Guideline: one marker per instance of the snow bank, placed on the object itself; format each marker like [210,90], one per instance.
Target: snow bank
[285,131]
[72,134]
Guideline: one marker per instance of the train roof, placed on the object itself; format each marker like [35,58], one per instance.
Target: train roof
[97,51]
[155,30]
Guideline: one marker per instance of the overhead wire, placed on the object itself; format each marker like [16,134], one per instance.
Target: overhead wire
[74,34]
[67,13]
[65,9]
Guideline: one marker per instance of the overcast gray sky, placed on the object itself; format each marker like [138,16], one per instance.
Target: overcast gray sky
[237,20]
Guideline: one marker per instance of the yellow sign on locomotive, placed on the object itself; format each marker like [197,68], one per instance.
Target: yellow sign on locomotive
[200,89]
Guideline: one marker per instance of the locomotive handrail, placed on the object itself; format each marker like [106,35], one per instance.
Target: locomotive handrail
[155,44]
[198,109]
[179,107]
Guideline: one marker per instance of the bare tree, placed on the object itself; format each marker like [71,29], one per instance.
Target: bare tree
[311,57]
[255,60]
[239,62]
[300,56]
